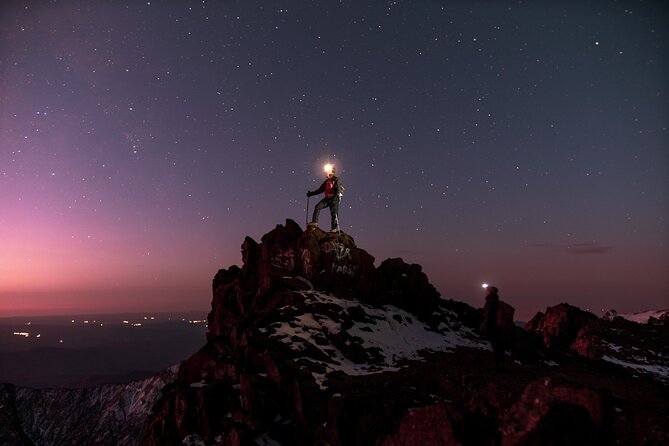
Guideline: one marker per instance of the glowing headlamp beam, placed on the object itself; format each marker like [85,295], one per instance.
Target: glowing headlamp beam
[328,168]
[485,285]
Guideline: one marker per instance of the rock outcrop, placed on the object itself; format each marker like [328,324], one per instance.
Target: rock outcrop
[638,347]
[306,313]
[549,413]
[560,324]
[288,258]
[310,343]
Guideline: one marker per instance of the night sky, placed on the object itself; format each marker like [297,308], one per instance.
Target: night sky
[513,143]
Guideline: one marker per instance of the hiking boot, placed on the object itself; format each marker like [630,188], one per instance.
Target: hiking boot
[313,224]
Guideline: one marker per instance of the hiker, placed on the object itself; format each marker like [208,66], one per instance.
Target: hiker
[497,324]
[333,191]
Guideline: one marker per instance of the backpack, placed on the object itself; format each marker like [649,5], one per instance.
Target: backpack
[504,319]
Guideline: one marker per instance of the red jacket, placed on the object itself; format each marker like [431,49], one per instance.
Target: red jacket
[330,186]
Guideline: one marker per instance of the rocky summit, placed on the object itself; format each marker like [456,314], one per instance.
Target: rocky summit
[310,343]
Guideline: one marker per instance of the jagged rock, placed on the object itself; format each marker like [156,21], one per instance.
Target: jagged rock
[197,408]
[274,338]
[610,315]
[560,324]
[588,341]
[407,287]
[638,348]
[331,261]
[613,337]
[216,361]
[534,324]
[425,426]
[548,413]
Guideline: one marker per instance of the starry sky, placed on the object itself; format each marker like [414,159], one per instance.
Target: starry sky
[515,143]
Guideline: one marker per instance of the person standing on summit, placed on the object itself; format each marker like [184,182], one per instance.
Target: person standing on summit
[497,324]
[333,190]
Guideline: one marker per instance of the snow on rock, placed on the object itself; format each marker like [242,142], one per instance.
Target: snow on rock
[109,414]
[379,339]
[266,440]
[640,318]
[193,440]
[640,365]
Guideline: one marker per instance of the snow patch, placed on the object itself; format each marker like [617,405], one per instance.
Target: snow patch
[659,371]
[193,440]
[641,317]
[388,334]
[266,440]
[612,347]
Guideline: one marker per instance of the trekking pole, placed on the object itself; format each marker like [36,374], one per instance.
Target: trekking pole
[337,217]
[306,218]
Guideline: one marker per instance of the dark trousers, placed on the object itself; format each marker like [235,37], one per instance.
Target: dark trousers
[333,204]
[498,352]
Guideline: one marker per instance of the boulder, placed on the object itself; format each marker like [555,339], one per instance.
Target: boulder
[557,414]
[560,324]
[588,341]
[406,286]
[425,426]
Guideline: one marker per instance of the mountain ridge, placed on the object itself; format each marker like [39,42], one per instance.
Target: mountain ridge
[300,352]
[310,343]
[107,414]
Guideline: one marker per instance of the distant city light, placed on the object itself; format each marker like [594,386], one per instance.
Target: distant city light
[136,325]
[28,323]
[21,333]
[38,335]
[126,322]
[61,341]
[197,321]
[73,321]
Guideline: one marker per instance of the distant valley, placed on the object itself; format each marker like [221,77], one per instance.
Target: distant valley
[81,350]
